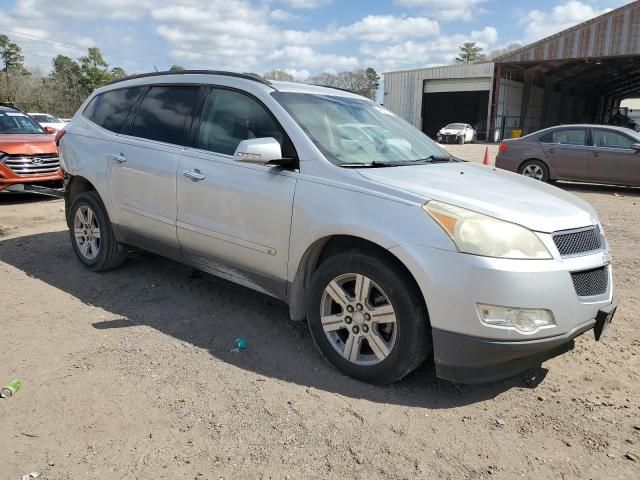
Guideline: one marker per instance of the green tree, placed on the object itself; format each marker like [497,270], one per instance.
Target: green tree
[176,68]
[469,53]
[374,82]
[66,85]
[117,73]
[95,70]
[12,61]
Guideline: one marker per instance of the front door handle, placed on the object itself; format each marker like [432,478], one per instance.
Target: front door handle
[194,175]
[119,157]
[596,154]
[551,150]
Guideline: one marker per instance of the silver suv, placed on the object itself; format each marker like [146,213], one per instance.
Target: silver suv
[391,249]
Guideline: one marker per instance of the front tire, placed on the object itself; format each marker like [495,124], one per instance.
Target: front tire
[535,169]
[368,318]
[91,234]
[461,140]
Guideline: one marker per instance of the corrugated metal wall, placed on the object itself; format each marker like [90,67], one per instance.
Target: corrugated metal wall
[616,33]
[403,90]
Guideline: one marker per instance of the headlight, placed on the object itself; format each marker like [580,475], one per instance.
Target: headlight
[479,234]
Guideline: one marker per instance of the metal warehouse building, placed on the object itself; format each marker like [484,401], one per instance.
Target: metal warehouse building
[579,75]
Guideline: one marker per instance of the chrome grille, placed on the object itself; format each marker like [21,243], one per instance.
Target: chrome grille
[32,164]
[591,282]
[578,242]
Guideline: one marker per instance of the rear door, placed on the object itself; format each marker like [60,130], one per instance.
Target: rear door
[612,158]
[236,217]
[567,152]
[144,161]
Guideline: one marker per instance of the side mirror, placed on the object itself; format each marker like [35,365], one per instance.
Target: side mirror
[636,147]
[50,130]
[259,151]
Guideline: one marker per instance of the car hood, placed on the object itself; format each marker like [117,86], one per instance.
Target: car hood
[449,131]
[498,193]
[27,144]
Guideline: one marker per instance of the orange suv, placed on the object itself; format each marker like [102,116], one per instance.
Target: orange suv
[28,153]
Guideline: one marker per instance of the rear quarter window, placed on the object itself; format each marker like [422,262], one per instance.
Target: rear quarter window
[110,109]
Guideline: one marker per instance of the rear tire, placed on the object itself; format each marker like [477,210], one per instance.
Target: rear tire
[91,234]
[535,169]
[377,336]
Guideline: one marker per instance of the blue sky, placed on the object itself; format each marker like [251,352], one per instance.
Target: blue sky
[304,37]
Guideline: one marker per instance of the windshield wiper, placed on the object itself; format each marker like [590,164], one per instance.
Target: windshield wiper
[402,163]
[374,164]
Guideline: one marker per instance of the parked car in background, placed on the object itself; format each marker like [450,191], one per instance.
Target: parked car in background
[48,120]
[65,120]
[457,133]
[583,153]
[28,153]
[390,254]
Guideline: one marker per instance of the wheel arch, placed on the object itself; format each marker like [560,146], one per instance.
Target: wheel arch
[75,185]
[324,248]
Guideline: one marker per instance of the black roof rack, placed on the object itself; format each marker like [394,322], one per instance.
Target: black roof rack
[196,72]
[335,88]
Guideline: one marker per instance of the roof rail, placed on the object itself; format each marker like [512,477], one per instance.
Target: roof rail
[196,72]
[335,88]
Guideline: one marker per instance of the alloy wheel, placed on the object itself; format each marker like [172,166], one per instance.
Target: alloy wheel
[533,171]
[358,319]
[87,232]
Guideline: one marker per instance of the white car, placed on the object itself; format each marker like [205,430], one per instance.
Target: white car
[48,120]
[457,133]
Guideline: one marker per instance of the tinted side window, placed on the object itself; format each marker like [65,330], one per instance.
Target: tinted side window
[610,139]
[230,117]
[163,114]
[573,136]
[110,109]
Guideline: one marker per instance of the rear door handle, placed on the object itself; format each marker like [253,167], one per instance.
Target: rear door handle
[551,150]
[119,157]
[596,154]
[194,175]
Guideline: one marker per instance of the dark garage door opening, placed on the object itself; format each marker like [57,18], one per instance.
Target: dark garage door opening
[440,109]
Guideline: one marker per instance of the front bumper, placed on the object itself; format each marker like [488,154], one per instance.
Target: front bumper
[464,359]
[453,284]
[12,182]
[448,138]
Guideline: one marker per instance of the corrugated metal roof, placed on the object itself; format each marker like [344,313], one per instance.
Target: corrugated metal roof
[615,33]
[458,70]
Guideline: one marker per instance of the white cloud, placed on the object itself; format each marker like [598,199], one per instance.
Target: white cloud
[383,28]
[308,4]
[282,16]
[447,9]
[486,36]
[309,58]
[300,75]
[539,24]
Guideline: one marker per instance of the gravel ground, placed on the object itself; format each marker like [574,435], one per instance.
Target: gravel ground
[130,374]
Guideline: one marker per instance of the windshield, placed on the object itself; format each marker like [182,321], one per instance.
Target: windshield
[45,119]
[455,126]
[357,131]
[17,122]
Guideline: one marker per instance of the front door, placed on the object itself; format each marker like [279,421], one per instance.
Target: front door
[566,152]
[612,158]
[235,217]
[143,164]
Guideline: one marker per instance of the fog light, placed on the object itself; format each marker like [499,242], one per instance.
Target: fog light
[525,320]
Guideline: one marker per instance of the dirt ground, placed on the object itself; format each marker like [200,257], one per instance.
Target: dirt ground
[130,375]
